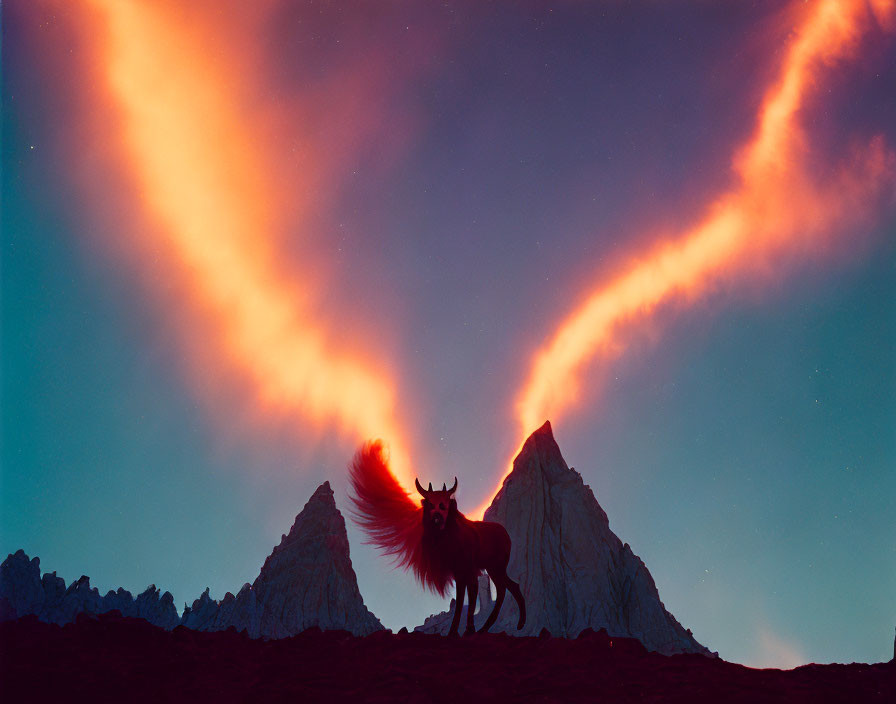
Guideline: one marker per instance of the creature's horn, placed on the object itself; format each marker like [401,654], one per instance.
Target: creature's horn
[444,488]
[420,488]
[430,486]
[454,488]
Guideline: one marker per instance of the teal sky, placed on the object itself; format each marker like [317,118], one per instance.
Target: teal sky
[747,453]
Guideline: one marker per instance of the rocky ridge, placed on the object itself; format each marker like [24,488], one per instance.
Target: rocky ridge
[573,570]
[306,581]
[24,591]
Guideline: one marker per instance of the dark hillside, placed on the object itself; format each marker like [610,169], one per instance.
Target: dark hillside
[110,658]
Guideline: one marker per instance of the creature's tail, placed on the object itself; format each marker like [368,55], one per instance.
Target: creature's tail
[391,519]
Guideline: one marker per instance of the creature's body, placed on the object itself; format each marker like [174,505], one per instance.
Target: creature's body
[434,539]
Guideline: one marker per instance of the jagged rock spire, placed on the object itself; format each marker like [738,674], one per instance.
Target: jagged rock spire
[573,570]
[23,591]
[306,581]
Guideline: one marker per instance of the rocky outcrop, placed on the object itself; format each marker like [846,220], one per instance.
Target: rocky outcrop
[157,608]
[573,570]
[23,591]
[201,616]
[306,581]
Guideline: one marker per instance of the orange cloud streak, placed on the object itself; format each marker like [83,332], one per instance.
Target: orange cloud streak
[200,178]
[775,209]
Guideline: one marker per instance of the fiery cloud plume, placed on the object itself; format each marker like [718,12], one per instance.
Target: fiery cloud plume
[775,210]
[219,211]
[211,197]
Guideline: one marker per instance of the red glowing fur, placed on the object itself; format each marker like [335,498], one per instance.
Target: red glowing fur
[391,518]
[438,551]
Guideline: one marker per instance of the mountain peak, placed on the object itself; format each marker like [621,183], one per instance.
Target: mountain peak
[319,513]
[573,570]
[323,493]
[306,581]
[540,461]
[545,429]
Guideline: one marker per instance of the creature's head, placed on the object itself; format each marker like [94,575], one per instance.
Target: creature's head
[437,505]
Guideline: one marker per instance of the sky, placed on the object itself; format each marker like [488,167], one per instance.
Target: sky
[239,241]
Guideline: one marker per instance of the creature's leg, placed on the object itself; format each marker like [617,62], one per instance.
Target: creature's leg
[472,587]
[500,588]
[459,604]
[518,595]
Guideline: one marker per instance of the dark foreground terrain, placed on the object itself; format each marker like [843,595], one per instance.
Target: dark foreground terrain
[116,659]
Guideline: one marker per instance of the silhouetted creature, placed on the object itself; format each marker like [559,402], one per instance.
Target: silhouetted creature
[434,539]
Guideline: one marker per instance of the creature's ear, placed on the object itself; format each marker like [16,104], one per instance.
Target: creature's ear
[452,506]
[424,503]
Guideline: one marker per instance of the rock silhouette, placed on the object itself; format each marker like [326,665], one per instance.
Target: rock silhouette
[307,581]
[24,592]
